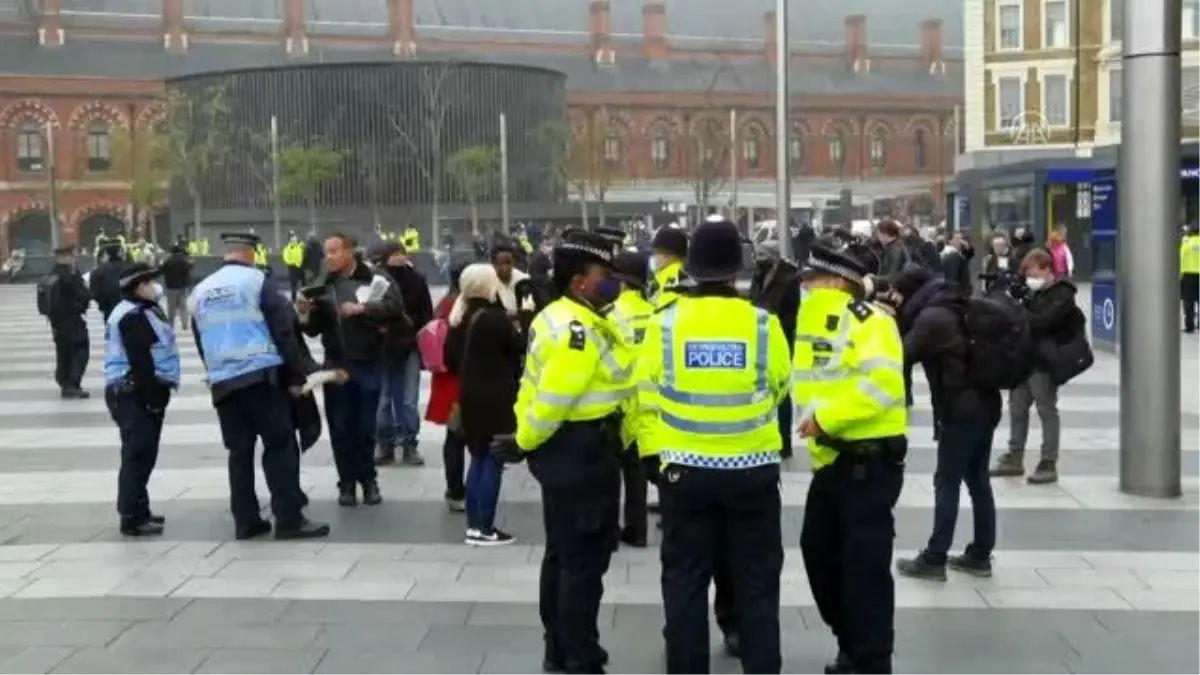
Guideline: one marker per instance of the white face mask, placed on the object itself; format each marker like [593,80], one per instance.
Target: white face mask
[1035,283]
[655,264]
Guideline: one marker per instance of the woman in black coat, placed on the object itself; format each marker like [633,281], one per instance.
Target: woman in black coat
[486,350]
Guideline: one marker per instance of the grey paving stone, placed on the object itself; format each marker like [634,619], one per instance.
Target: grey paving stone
[124,661]
[373,637]
[390,612]
[521,614]
[1158,623]
[233,610]
[61,633]
[268,661]
[354,661]
[34,659]
[964,645]
[481,639]
[1159,643]
[1006,665]
[85,609]
[218,634]
[516,664]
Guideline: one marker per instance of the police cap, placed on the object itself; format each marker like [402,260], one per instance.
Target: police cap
[613,235]
[715,253]
[826,260]
[137,273]
[670,240]
[585,247]
[632,268]
[248,239]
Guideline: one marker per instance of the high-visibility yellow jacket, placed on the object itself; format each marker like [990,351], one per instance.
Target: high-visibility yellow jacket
[1189,254]
[293,254]
[630,313]
[664,282]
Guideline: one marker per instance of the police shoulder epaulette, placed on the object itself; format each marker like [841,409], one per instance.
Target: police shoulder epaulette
[672,301]
[860,309]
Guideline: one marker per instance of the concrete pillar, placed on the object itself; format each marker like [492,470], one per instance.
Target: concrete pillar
[1148,259]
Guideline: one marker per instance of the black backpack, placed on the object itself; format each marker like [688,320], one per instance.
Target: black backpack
[45,294]
[1000,347]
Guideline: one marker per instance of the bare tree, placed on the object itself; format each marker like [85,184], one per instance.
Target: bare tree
[195,141]
[587,155]
[706,137]
[422,136]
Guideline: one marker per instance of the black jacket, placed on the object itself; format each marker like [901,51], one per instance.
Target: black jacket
[177,272]
[932,324]
[892,259]
[69,301]
[401,336]
[353,339]
[105,285]
[956,269]
[138,336]
[487,353]
[1053,315]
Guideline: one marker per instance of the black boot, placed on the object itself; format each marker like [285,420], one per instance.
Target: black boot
[839,665]
[253,530]
[347,495]
[371,494]
[146,528]
[304,529]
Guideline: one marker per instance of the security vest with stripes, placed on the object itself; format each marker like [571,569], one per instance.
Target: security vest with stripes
[668,277]
[164,352]
[227,309]
[849,375]
[630,313]
[709,389]
[1189,255]
[577,369]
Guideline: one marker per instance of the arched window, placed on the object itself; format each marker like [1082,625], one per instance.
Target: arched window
[30,149]
[797,151]
[612,151]
[920,150]
[879,149]
[98,150]
[837,154]
[660,151]
[750,151]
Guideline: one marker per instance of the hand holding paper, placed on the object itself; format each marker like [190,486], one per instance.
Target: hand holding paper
[323,377]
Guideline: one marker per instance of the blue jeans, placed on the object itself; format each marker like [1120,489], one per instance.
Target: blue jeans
[350,411]
[399,419]
[963,452]
[483,490]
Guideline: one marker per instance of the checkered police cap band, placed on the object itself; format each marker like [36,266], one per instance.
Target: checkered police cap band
[603,254]
[824,266]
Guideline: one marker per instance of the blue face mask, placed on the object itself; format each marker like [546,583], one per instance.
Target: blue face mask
[607,290]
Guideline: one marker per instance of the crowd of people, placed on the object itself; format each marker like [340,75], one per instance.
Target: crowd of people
[603,369]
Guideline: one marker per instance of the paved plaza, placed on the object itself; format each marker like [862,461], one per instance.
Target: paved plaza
[1087,579]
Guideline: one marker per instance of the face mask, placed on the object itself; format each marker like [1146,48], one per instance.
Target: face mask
[655,264]
[1035,283]
[607,290]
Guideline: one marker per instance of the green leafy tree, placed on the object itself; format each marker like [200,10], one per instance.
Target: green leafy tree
[193,142]
[304,169]
[476,173]
[143,153]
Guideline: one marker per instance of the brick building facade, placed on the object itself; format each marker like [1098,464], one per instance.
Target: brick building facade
[871,108]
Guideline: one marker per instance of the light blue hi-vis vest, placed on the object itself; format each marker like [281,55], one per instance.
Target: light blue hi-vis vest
[165,351]
[227,309]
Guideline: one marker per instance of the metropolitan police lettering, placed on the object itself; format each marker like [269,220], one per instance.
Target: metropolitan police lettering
[713,354]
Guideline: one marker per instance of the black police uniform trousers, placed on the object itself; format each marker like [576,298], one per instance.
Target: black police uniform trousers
[847,542]
[71,354]
[1189,294]
[579,469]
[721,520]
[261,410]
[636,513]
[141,433]
[295,279]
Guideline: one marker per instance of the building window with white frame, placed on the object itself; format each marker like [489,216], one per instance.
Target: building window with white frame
[1008,25]
[1056,100]
[1191,19]
[1010,102]
[750,151]
[1056,19]
[1114,95]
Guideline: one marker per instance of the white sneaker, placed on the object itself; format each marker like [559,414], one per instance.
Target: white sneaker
[472,534]
[492,537]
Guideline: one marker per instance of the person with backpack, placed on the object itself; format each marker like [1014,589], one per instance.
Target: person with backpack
[63,298]
[953,336]
[1057,326]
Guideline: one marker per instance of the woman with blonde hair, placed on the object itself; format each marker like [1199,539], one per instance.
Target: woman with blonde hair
[485,349]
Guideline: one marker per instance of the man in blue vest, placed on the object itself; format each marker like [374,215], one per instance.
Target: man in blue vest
[245,333]
[141,368]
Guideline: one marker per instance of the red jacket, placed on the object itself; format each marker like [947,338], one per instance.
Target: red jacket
[443,391]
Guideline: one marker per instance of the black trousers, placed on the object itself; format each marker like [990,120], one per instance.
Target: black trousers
[847,542]
[727,520]
[454,457]
[71,354]
[141,433]
[296,279]
[1189,294]
[633,479]
[246,415]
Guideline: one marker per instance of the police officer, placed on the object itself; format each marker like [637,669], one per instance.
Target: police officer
[68,300]
[667,253]
[708,392]
[293,258]
[411,239]
[141,368]
[630,313]
[1189,275]
[104,282]
[576,382]
[245,333]
[849,392]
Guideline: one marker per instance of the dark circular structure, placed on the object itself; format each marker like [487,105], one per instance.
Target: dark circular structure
[397,124]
